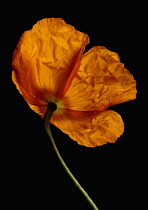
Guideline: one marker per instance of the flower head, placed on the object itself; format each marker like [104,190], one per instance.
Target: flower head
[49,66]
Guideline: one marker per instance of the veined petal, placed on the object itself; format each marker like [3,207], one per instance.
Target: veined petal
[35,104]
[102,81]
[90,129]
[47,58]
[26,94]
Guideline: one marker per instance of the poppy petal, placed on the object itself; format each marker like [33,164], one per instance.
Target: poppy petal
[47,58]
[101,82]
[35,104]
[90,129]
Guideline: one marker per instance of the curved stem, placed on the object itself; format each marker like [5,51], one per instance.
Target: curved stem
[50,109]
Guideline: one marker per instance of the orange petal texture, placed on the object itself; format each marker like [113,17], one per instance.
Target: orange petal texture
[101,82]
[90,129]
[47,59]
[49,66]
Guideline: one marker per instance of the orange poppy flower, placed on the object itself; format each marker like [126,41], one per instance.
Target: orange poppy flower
[49,66]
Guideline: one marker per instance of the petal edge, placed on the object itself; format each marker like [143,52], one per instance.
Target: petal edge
[101,82]
[90,129]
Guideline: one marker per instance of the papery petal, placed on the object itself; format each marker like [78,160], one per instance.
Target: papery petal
[35,104]
[47,58]
[101,81]
[90,129]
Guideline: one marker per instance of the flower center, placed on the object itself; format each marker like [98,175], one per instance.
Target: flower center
[56,104]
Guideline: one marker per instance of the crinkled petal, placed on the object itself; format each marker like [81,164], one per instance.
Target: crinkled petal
[47,58]
[89,129]
[101,82]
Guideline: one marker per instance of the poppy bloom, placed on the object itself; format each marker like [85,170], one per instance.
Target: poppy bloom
[49,66]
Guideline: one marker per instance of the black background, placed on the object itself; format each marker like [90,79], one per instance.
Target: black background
[113,174]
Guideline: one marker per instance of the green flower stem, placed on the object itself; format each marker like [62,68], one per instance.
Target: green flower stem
[50,109]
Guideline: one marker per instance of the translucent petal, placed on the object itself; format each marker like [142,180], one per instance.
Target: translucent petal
[101,81]
[90,129]
[47,58]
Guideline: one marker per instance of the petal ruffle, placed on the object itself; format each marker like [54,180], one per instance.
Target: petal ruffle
[90,129]
[47,58]
[101,82]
